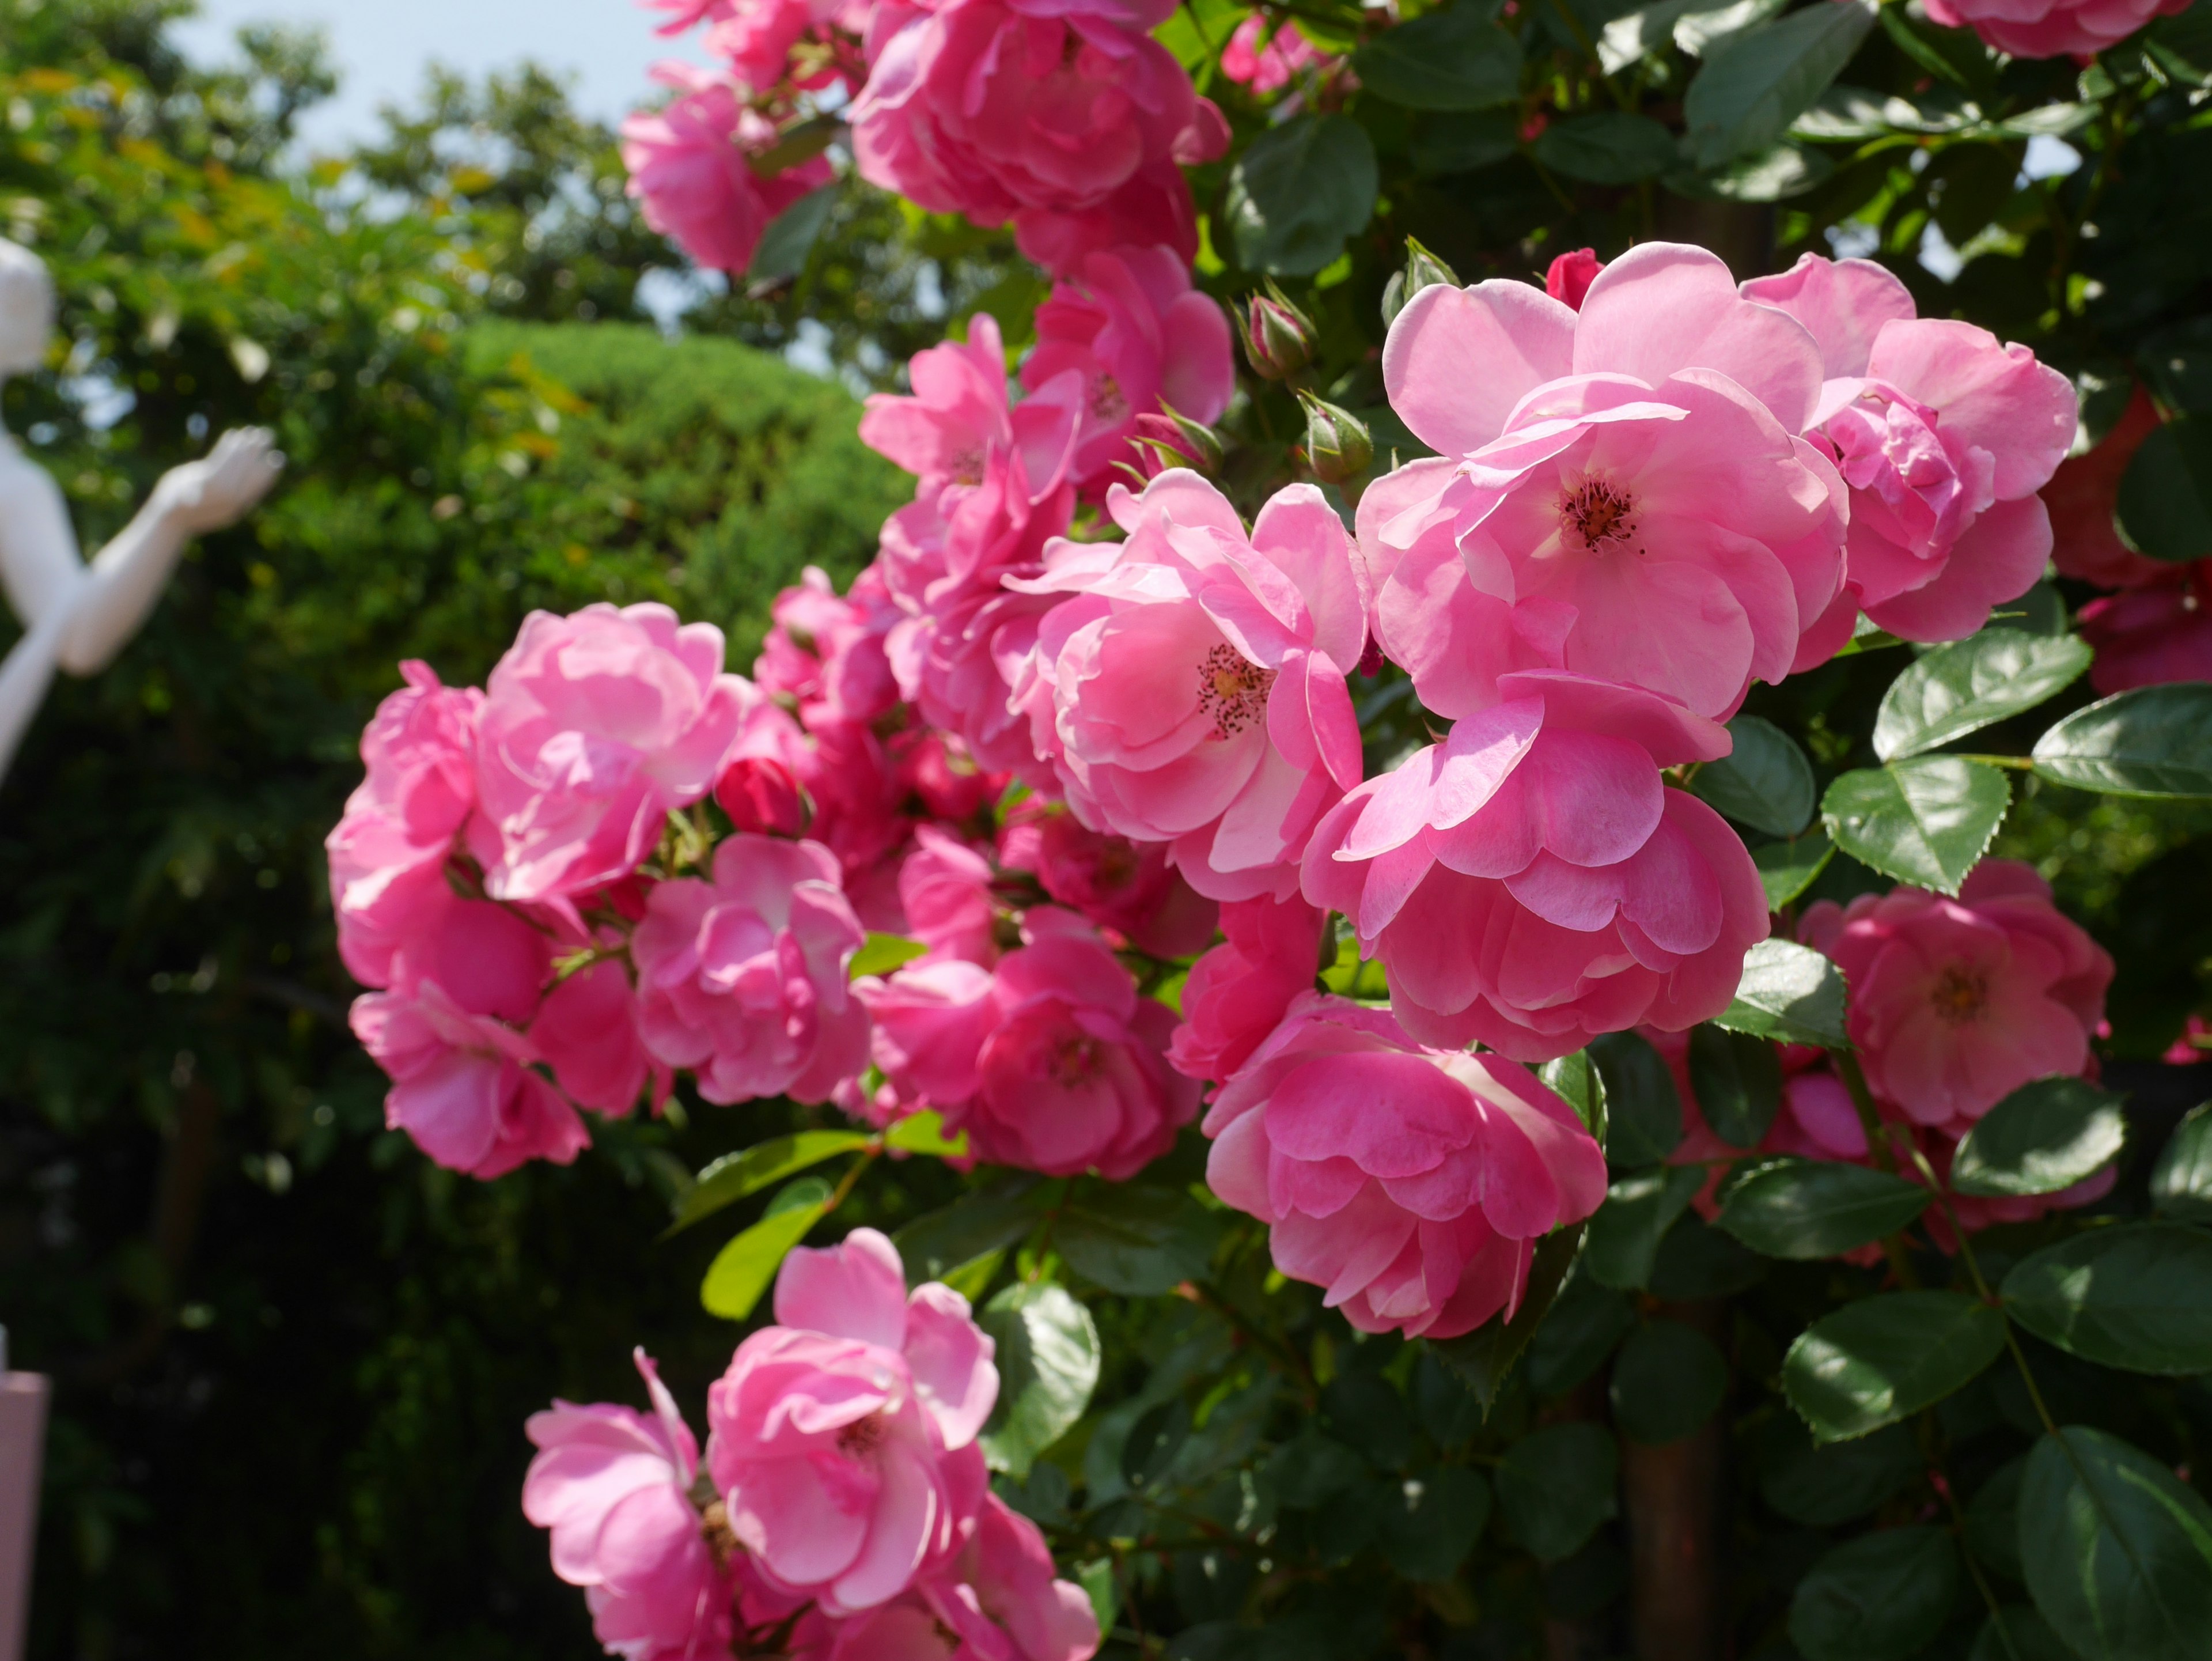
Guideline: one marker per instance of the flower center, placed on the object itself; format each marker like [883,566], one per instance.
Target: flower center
[1958,995]
[1108,406]
[1603,517]
[1232,689]
[861,1438]
[967,466]
[1074,1061]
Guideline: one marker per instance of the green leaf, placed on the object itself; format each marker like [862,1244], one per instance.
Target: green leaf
[1882,1359]
[1556,1488]
[1705,25]
[2153,741]
[1765,782]
[2117,1553]
[2165,505]
[2138,1298]
[1696,1261]
[1298,191]
[923,1133]
[1811,1208]
[1642,1109]
[1666,1381]
[2016,1633]
[1789,993]
[1823,1486]
[734,1176]
[781,254]
[1484,1358]
[883,953]
[1432,1521]
[2181,1181]
[1312,1469]
[1579,1332]
[1576,1080]
[1737,1081]
[1641,1206]
[1787,869]
[987,1217]
[1609,148]
[1047,1360]
[1879,1598]
[1925,820]
[1460,143]
[1137,1240]
[1153,1442]
[2043,1137]
[1992,1528]
[1769,175]
[1454,59]
[743,1268]
[1972,683]
[1754,84]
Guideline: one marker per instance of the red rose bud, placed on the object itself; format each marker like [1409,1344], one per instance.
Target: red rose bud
[1279,338]
[760,795]
[1173,440]
[1423,271]
[1338,446]
[1570,275]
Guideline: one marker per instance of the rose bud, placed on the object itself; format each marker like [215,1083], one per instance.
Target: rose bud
[1423,271]
[1279,338]
[1174,440]
[1338,446]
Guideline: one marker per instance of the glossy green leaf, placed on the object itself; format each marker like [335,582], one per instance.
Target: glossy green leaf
[1576,1080]
[2181,1181]
[1697,1261]
[1432,1521]
[2138,1297]
[1879,1598]
[1810,1209]
[881,953]
[2015,1632]
[1460,143]
[1136,1239]
[1638,1210]
[1047,1358]
[1556,1488]
[1752,85]
[991,1216]
[1666,1381]
[1484,1358]
[1585,1322]
[2153,741]
[1925,820]
[1876,1361]
[2117,1553]
[745,1268]
[1787,869]
[1972,683]
[1768,175]
[1298,191]
[1611,147]
[1454,59]
[1790,993]
[734,1176]
[2165,504]
[781,253]
[1992,1528]
[1153,1442]
[1824,1485]
[1642,1109]
[923,1133]
[2044,1136]
[1737,1080]
[1765,782]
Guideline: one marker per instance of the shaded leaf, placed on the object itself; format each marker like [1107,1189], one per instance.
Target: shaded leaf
[1586,1321]
[1047,1358]
[1556,1488]
[1879,1598]
[1876,1361]
[1823,1486]
[1754,84]
[1298,191]
[1666,1381]
[1810,1209]
[2165,502]
[1765,782]
[2181,1181]
[2138,1298]
[1432,1520]
[1638,1210]
[1737,1080]
[2044,1136]
[1137,1240]
[994,1215]
[1787,869]
[1790,993]
[1484,1358]
[2117,1553]
[1612,147]
[1642,1109]
[781,253]
[1454,59]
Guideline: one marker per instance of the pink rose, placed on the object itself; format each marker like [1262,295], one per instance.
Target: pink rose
[614,1486]
[1944,436]
[1001,1596]
[757,38]
[842,1438]
[689,169]
[1127,886]
[1412,1183]
[2082,495]
[387,855]
[2074,29]
[594,727]
[1238,991]
[1129,326]
[944,888]
[1619,491]
[1192,689]
[2154,632]
[1264,61]
[1529,883]
[586,1032]
[1153,207]
[1955,1004]
[1051,1063]
[742,980]
[826,652]
[958,417]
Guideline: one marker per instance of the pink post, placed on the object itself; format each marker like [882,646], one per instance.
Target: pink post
[22,1435]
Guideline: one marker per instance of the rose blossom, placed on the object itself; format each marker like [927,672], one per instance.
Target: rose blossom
[387,854]
[614,1486]
[1051,1062]
[1264,61]
[756,38]
[1955,1004]
[958,417]
[1529,883]
[2154,632]
[689,166]
[1127,886]
[1191,688]
[1411,1184]
[1619,491]
[742,980]
[586,1032]
[1153,207]
[1943,434]
[944,888]
[2052,28]
[2082,496]
[843,1437]
[594,727]
[826,650]
[1238,991]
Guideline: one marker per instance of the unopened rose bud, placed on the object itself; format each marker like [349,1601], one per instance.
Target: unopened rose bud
[1279,338]
[1338,446]
[761,795]
[1423,271]
[1571,275]
[1174,440]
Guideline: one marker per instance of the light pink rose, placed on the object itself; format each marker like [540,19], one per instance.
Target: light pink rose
[1051,1062]
[1264,61]
[1529,883]
[1001,1597]
[742,980]
[2052,28]
[842,1438]
[1153,206]
[1411,1184]
[1239,991]
[387,855]
[957,418]
[1955,1004]
[1619,491]
[1191,688]
[826,651]
[594,727]
[2155,632]
[1944,436]
[2082,495]
[1127,886]
[689,168]
[945,887]
[756,38]
[1137,336]
[614,1486]
[586,1031]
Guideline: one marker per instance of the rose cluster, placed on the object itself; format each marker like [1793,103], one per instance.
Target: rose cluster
[841,1512]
